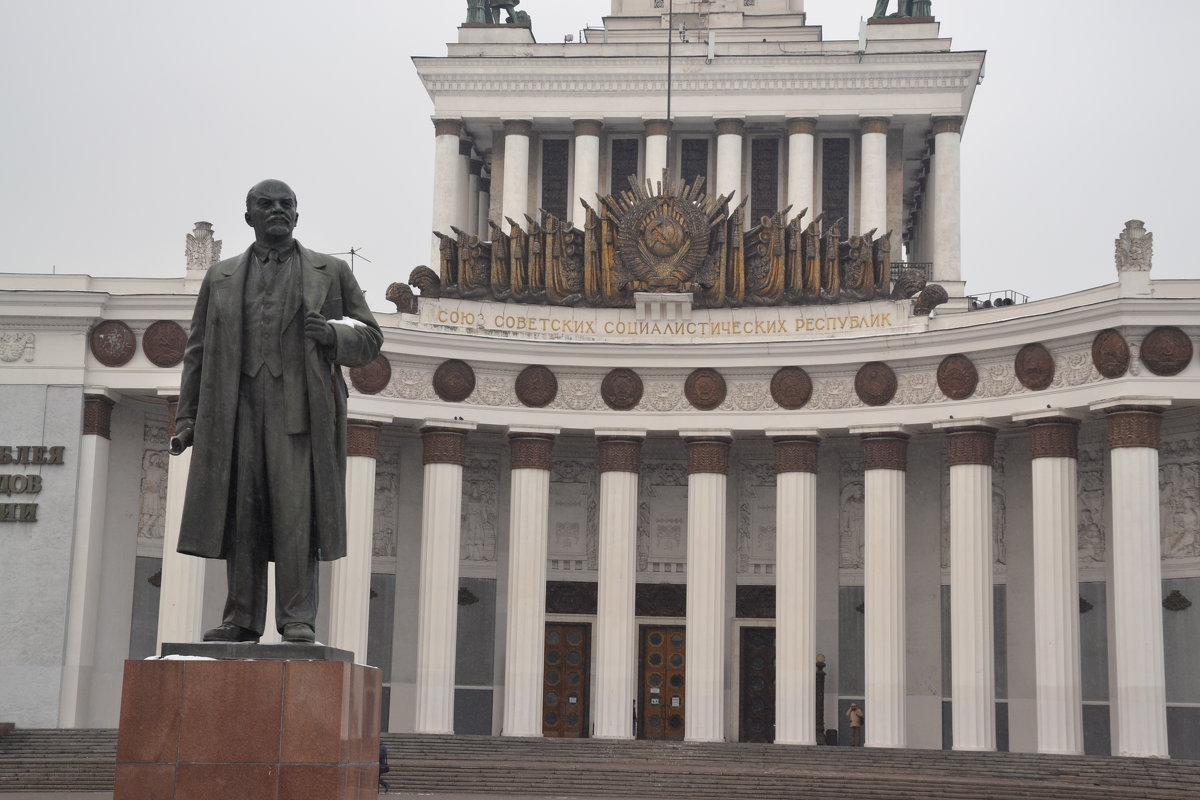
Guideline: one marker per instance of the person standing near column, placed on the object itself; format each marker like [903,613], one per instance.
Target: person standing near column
[855,715]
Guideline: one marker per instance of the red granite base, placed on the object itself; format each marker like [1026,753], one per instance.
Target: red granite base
[255,730]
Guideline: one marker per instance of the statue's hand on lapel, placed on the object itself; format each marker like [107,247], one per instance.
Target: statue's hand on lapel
[319,330]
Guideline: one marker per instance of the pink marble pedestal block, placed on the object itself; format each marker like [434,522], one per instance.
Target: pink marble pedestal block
[254,730]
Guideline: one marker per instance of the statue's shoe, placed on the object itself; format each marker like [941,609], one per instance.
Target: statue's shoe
[298,632]
[228,632]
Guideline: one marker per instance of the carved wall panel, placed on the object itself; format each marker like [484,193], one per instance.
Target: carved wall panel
[574,514]
[481,508]
[387,487]
[1179,495]
[152,505]
[662,517]
[1092,477]
[756,518]
[850,514]
[15,345]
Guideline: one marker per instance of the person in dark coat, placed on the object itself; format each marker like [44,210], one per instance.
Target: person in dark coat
[262,401]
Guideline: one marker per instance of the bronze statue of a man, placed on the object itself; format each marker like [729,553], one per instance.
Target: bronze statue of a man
[262,401]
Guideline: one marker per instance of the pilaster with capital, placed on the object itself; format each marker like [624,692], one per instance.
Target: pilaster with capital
[657,158]
[587,168]
[873,190]
[801,159]
[515,197]
[730,133]
[446,183]
[947,199]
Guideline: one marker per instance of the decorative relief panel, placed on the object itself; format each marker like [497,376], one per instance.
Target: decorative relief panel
[373,377]
[454,380]
[481,508]
[16,345]
[1179,495]
[850,514]
[113,343]
[387,485]
[1110,353]
[574,514]
[1092,477]
[1166,351]
[999,512]
[153,501]
[756,518]
[662,517]
[163,343]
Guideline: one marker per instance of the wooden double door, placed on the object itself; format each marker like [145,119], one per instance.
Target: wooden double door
[756,699]
[661,699]
[565,678]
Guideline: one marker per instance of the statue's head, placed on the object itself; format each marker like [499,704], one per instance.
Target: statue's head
[271,211]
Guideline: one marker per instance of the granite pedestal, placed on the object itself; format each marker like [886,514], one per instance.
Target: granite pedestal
[257,727]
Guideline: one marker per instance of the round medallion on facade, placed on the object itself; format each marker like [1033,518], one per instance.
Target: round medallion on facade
[704,389]
[875,383]
[163,343]
[791,388]
[621,389]
[1034,367]
[372,378]
[1166,351]
[663,240]
[536,386]
[1110,353]
[454,381]
[113,343]
[957,377]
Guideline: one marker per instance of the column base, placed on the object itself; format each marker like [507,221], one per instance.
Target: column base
[256,730]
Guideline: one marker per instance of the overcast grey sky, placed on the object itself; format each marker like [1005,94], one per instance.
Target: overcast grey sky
[122,123]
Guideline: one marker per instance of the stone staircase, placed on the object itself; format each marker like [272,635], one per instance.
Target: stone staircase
[433,766]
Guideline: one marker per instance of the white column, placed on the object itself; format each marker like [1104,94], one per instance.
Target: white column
[587,168]
[873,176]
[947,213]
[969,451]
[729,158]
[801,144]
[795,586]
[443,453]
[485,205]
[515,202]
[1136,592]
[86,550]
[445,181]
[657,131]
[472,218]
[181,591]
[350,585]
[704,658]
[462,188]
[1053,452]
[616,635]
[529,522]
[884,464]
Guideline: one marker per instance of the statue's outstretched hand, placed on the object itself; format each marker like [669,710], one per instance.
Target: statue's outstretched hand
[319,330]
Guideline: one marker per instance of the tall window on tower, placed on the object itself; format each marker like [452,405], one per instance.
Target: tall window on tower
[555,158]
[764,176]
[693,161]
[624,164]
[835,180]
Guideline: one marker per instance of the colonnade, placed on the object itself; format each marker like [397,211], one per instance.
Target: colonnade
[462,197]
[1139,721]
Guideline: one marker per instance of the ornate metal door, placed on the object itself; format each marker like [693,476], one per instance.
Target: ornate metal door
[661,704]
[565,680]
[757,706]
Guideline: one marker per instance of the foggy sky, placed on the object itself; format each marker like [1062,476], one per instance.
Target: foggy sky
[123,123]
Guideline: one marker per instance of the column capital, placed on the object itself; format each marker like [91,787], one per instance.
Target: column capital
[658,127]
[1134,426]
[530,450]
[620,453]
[587,127]
[806,125]
[731,125]
[947,125]
[362,438]
[1053,437]
[172,409]
[796,454]
[874,124]
[465,147]
[445,444]
[708,455]
[885,450]
[447,127]
[97,415]
[518,127]
[970,444]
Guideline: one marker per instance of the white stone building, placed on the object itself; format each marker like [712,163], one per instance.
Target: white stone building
[652,520]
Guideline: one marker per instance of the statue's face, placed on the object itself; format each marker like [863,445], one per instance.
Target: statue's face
[271,211]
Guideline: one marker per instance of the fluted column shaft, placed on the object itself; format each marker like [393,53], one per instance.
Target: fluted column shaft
[616,636]
[801,149]
[446,162]
[350,583]
[704,658]
[796,589]
[972,646]
[181,590]
[1133,438]
[462,188]
[657,131]
[587,168]
[79,651]
[873,190]
[472,218]
[525,638]
[443,454]
[884,464]
[947,199]
[515,199]
[729,158]
[1053,450]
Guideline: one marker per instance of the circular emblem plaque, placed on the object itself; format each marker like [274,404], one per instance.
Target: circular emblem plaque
[791,388]
[704,389]
[1166,351]
[374,377]
[1034,366]
[536,386]
[957,377]
[163,343]
[663,240]
[113,343]
[621,389]
[1110,353]
[875,383]
[454,381]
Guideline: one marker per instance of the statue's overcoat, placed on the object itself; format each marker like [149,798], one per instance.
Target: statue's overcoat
[316,396]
